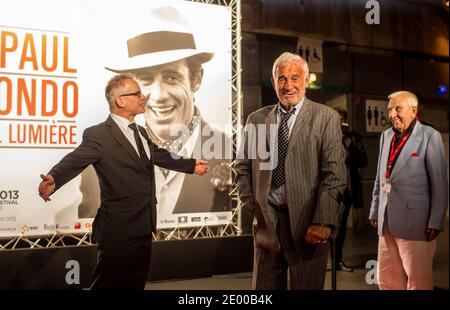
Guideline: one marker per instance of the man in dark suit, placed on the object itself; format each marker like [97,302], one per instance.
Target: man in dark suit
[355,159]
[295,202]
[123,157]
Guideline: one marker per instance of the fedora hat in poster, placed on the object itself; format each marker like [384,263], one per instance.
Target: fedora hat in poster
[164,39]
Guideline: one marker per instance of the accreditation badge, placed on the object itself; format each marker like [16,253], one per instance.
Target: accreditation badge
[387,186]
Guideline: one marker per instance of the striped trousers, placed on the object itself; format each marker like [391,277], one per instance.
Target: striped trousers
[287,268]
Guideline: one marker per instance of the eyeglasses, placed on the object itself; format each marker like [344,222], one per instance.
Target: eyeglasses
[138,94]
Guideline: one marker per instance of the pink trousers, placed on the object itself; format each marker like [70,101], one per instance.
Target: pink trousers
[405,264]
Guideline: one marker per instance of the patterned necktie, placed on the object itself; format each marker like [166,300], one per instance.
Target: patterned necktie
[283,140]
[140,146]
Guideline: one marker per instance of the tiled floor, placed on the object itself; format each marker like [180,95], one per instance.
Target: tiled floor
[360,247]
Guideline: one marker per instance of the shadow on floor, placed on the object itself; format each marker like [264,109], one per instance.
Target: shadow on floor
[360,247]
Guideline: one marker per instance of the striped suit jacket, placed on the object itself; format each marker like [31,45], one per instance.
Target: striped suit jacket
[315,174]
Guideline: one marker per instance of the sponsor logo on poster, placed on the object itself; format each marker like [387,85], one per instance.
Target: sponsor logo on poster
[55,226]
[182,219]
[27,228]
[208,218]
[50,227]
[167,221]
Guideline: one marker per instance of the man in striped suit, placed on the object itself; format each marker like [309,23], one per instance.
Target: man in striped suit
[294,193]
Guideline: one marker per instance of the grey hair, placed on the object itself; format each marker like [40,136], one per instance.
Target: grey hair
[287,57]
[113,84]
[410,98]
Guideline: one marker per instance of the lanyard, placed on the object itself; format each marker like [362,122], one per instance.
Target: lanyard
[393,153]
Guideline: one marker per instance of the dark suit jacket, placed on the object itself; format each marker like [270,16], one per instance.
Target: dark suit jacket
[128,201]
[356,160]
[314,170]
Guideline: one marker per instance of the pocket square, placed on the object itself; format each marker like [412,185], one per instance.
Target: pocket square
[414,154]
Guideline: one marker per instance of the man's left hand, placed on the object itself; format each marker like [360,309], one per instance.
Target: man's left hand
[432,234]
[317,234]
[201,167]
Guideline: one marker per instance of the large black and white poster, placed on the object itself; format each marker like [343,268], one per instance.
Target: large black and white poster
[55,59]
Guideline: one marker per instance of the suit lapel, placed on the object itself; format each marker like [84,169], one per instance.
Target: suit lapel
[385,153]
[119,136]
[410,146]
[271,120]
[303,115]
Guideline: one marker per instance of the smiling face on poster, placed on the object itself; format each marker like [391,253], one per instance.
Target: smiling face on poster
[53,62]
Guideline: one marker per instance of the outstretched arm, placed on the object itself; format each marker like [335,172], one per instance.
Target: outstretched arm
[88,152]
[165,159]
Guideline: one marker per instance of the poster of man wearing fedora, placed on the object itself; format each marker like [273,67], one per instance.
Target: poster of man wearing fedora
[186,82]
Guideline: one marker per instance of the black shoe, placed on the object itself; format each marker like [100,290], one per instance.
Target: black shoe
[343,267]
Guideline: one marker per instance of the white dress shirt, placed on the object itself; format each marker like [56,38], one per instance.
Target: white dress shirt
[277,196]
[129,133]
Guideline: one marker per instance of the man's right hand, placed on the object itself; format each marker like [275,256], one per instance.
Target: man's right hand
[374,223]
[46,187]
